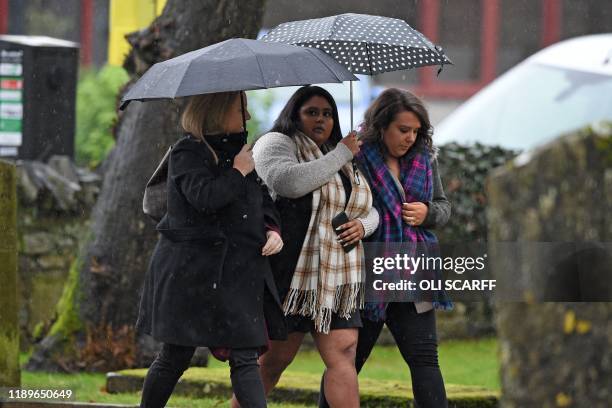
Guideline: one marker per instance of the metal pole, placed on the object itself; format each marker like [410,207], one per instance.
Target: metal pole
[243,112]
[351,106]
[355,172]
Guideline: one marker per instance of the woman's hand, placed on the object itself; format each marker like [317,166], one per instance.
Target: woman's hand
[352,143]
[243,162]
[352,232]
[274,244]
[414,213]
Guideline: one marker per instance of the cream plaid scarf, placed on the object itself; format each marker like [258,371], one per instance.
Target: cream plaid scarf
[326,279]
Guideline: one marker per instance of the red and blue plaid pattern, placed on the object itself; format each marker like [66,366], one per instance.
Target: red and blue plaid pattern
[415,178]
[417,182]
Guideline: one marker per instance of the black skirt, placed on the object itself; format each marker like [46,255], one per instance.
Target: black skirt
[304,324]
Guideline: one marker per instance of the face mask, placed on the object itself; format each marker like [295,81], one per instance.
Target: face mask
[229,143]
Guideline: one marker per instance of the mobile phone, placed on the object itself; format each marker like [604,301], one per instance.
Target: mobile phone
[337,221]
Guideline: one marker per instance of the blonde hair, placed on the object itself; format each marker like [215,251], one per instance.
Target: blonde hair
[204,114]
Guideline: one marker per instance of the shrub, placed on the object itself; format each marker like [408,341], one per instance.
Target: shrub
[464,170]
[96,113]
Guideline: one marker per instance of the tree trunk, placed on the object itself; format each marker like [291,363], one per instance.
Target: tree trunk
[94,329]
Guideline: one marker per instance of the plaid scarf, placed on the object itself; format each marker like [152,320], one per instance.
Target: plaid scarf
[417,183]
[326,279]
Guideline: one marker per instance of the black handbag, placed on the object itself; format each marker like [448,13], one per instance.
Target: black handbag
[155,200]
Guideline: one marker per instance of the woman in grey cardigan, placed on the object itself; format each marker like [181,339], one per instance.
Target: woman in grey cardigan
[306,163]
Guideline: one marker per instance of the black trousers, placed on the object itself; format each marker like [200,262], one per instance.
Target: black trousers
[415,336]
[173,360]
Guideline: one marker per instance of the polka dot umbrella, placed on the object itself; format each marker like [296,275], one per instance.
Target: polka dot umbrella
[364,44]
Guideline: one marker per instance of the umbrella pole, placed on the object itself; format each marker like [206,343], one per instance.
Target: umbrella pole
[355,172]
[351,105]
[243,113]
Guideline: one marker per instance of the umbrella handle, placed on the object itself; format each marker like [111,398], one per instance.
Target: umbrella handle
[356,172]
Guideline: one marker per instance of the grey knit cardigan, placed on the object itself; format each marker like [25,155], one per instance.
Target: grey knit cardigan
[276,162]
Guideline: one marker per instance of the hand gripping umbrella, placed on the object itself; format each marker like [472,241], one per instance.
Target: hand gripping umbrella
[236,64]
[363,43]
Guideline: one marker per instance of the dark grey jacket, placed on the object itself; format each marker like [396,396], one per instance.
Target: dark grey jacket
[439,210]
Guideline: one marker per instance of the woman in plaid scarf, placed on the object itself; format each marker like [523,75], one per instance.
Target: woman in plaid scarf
[306,163]
[399,162]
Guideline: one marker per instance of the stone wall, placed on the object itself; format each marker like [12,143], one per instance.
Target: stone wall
[55,199]
[9,330]
[556,354]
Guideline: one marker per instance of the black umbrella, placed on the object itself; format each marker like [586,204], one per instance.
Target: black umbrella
[363,43]
[237,64]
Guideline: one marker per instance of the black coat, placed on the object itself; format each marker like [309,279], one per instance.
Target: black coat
[207,283]
[295,215]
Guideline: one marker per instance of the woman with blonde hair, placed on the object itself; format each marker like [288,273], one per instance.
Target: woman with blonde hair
[209,281]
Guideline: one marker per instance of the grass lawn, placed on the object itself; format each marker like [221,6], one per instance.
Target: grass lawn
[471,362]
[90,388]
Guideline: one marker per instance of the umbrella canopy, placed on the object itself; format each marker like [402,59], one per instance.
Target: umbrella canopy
[363,43]
[236,64]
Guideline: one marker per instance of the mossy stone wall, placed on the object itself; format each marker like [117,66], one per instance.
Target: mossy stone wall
[9,327]
[54,201]
[556,354]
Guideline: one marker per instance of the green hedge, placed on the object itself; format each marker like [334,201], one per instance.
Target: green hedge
[96,113]
[464,170]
